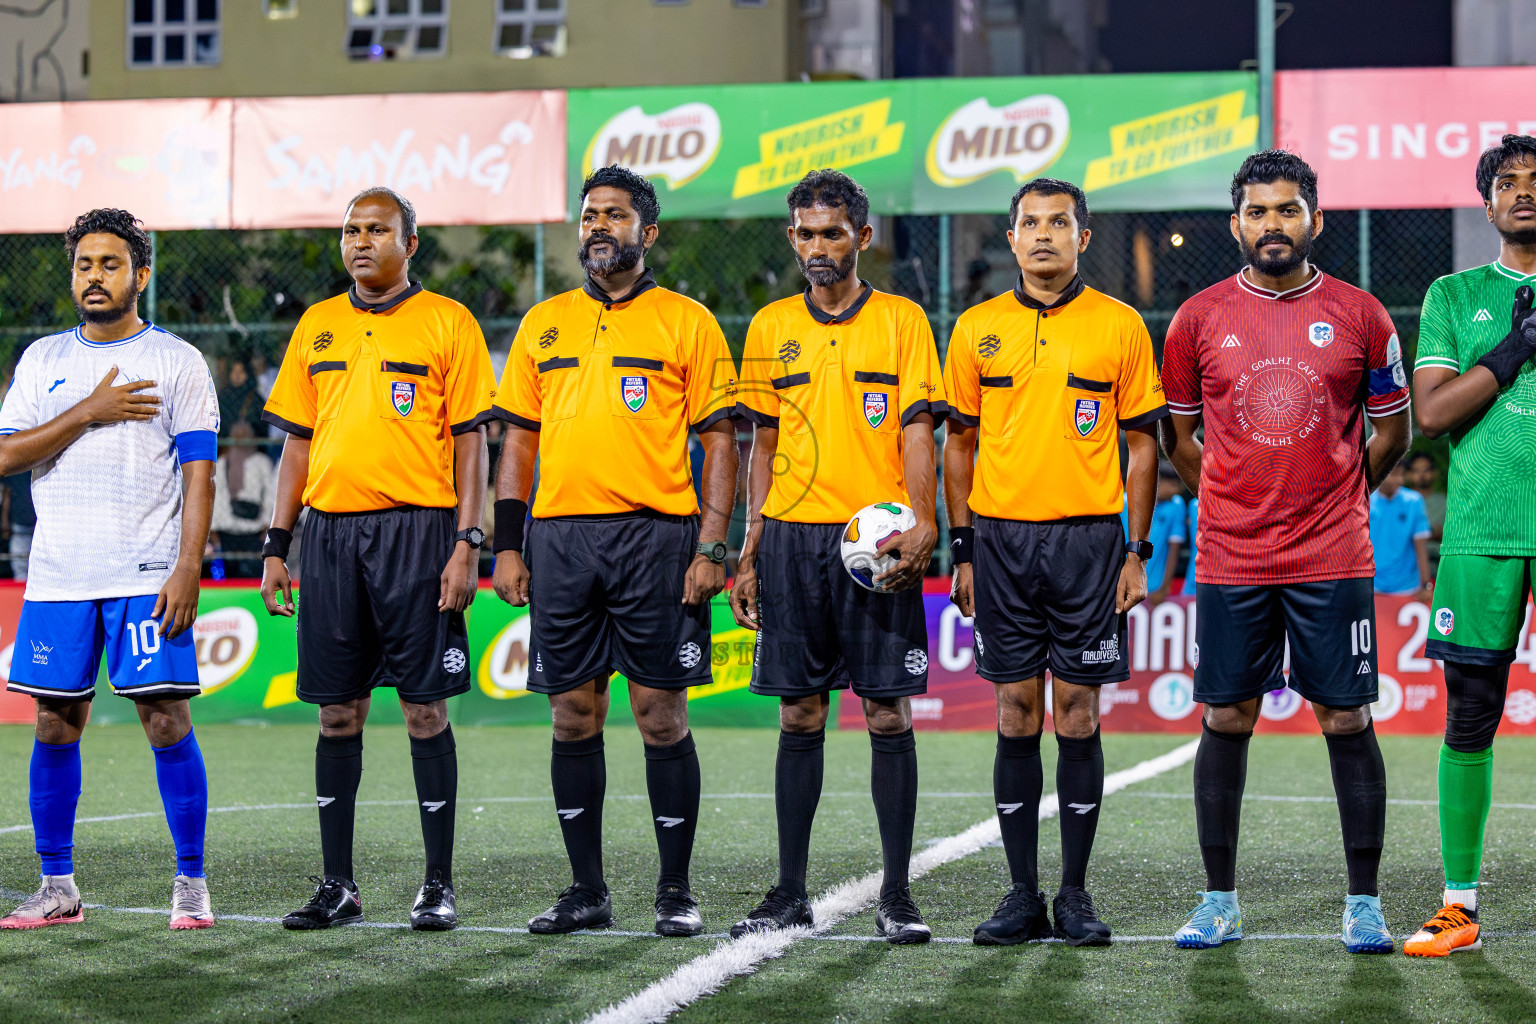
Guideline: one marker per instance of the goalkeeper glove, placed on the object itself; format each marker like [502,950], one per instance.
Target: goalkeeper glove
[1506,358]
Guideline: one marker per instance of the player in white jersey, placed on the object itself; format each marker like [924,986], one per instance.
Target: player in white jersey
[118,422]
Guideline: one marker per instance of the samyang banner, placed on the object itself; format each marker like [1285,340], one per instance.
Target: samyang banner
[954,145]
[248,665]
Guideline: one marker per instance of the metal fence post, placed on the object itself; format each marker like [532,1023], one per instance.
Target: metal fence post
[538,263]
[945,288]
[1364,244]
[1266,41]
[152,292]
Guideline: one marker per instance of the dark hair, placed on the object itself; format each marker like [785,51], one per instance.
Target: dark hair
[1274,165]
[827,187]
[141,252]
[642,194]
[407,211]
[1050,187]
[1512,149]
[1413,457]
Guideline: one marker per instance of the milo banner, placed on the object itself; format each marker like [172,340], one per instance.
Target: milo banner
[1134,142]
[247,661]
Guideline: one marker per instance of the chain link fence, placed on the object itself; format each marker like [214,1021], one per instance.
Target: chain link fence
[237,295]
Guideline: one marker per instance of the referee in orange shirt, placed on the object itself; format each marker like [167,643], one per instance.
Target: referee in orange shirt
[383,392]
[1041,381]
[602,385]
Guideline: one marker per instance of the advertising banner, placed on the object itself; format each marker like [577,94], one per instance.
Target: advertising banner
[1143,142]
[1400,138]
[166,160]
[1160,694]
[461,158]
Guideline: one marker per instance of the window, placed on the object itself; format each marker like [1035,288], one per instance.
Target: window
[396,29]
[530,28]
[173,33]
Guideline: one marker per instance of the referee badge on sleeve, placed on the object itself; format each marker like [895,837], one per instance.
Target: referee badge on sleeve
[634,391]
[402,394]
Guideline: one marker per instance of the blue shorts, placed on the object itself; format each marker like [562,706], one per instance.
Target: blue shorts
[59,646]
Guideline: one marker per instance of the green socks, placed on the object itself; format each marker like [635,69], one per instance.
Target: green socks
[1466,792]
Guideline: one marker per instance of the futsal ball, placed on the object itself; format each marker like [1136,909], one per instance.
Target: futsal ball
[870,527]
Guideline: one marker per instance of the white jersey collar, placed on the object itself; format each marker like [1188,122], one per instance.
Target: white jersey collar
[81,338]
[1507,272]
[1265,293]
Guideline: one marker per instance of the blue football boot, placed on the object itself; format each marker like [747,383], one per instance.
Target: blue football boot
[1216,920]
[1365,930]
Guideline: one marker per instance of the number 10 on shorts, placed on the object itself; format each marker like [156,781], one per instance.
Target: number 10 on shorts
[1360,637]
[145,637]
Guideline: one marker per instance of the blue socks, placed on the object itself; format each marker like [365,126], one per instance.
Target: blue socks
[184,791]
[53,794]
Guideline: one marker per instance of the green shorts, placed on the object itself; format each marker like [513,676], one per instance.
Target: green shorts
[1478,609]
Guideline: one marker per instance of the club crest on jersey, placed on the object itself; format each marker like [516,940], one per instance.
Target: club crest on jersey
[549,337]
[1445,621]
[323,341]
[876,404]
[789,351]
[634,390]
[402,395]
[989,346]
[1320,334]
[1086,416]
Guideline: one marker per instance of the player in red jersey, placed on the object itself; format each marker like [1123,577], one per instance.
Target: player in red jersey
[1283,364]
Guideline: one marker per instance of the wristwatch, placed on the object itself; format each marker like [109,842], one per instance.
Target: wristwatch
[474,537]
[714,552]
[1143,548]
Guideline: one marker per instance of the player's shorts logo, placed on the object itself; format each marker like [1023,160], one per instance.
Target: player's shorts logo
[40,653]
[688,654]
[323,341]
[1320,334]
[1445,621]
[549,337]
[917,661]
[1086,416]
[789,351]
[634,390]
[402,394]
[876,404]
[981,649]
[989,346]
[454,660]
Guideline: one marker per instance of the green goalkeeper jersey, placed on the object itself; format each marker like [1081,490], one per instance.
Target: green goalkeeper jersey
[1490,506]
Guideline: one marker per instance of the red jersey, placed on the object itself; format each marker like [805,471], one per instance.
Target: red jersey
[1284,381]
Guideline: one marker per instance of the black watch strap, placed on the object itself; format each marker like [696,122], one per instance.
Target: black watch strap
[1142,548]
[474,537]
[714,552]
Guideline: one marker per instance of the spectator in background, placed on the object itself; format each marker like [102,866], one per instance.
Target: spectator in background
[1192,533]
[1400,536]
[263,372]
[1168,534]
[239,400]
[1422,473]
[245,488]
[19,519]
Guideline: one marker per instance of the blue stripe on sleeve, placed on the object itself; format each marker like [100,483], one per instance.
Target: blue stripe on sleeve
[1382,382]
[197,446]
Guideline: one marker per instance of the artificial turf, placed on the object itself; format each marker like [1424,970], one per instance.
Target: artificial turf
[123,966]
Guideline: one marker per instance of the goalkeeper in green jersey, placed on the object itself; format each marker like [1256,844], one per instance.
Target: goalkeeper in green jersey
[1475,380]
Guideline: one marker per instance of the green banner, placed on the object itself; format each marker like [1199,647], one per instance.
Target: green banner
[248,663]
[951,145]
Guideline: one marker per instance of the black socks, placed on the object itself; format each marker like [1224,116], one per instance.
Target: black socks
[796,792]
[1221,772]
[1080,790]
[436,767]
[579,775]
[338,770]
[893,780]
[1017,780]
[672,779]
[1360,783]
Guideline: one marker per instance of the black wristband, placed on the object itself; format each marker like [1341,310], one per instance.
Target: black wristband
[961,538]
[277,543]
[511,517]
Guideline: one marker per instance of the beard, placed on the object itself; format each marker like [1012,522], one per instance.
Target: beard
[1519,236]
[623,258]
[823,273]
[1295,254]
[114,311]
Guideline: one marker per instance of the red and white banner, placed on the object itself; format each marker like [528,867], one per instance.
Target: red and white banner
[461,158]
[1160,694]
[1400,138]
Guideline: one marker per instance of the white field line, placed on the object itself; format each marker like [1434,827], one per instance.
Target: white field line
[1325,800]
[705,975]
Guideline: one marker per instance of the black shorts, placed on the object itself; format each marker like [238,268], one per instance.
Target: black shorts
[607,596]
[369,587]
[1045,598]
[1241,633]
[818,630]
